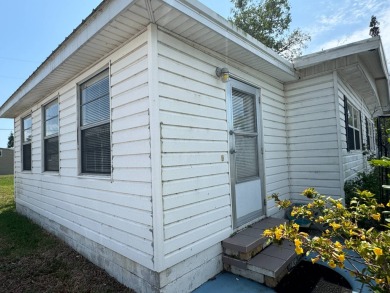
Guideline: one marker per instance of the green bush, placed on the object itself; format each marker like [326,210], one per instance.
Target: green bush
[363,181]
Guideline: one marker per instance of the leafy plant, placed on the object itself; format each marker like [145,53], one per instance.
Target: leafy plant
[342,235]
[363,181]
[268,21]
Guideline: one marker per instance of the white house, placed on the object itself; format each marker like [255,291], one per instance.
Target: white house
[6,161]
[130,148]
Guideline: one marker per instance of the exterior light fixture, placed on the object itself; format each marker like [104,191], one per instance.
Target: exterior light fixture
[222,73]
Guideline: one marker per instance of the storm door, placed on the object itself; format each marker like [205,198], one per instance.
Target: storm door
[245,152]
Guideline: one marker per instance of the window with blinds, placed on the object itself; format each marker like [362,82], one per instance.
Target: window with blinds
[26,143]
[50,144]
[95,125]
[245,135]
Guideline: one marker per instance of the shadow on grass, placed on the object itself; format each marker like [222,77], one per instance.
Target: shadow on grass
[19,236]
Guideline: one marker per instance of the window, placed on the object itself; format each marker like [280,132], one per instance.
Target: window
[370,135]
[353,128]
[95,130]
[26,143]
[51,152]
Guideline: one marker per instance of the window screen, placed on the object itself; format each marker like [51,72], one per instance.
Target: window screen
[95,125]
[353,128]
[51,149]
[246,140]
[26,143]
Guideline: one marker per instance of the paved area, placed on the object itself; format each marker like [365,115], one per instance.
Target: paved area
[228,283]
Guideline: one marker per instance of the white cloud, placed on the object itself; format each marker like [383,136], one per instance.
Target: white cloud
[361,33]
[350,12]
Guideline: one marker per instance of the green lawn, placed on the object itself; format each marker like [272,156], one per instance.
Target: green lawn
[32,260]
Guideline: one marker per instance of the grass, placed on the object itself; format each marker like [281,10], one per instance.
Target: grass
[32,260]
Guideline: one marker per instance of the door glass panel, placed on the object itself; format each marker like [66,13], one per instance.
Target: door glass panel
[247,165]
[244,116]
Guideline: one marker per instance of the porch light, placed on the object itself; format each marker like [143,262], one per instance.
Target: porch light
[222,73]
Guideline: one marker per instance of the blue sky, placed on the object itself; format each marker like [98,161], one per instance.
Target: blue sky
[32,29]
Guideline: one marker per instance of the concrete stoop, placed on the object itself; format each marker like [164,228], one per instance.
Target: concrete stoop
[250,255]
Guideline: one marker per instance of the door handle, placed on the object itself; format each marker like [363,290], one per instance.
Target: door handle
[232,151]
[231,132]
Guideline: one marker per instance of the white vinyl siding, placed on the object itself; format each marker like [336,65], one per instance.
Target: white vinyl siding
[353,161]
[117,212]
[194,138]
[275,155]
[312,136]
[195,170]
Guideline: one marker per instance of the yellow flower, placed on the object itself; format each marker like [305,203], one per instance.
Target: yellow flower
[339,205]
[278,233]
[388,204]
[309,192]
[298,250]
[332,264]
[379,281]
[296,226]
[297,242]
[341,257]
[376,216]
[268,233]
[327,231]
[338,245]
[320,219]
[335,225]
[314,260]
[309,213]
[309,205]
[378,251]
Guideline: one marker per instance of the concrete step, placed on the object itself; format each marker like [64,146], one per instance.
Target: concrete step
[268,267]
[250,255]
[249,242]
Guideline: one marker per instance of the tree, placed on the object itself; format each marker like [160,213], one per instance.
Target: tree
[268,21]
[374,27]
[10,143]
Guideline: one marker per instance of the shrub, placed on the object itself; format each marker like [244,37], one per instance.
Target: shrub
[363,181]
[342,234]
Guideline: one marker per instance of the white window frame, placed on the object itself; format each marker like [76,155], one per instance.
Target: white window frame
[354,116]
[24,142]
[50,136]
[97,77]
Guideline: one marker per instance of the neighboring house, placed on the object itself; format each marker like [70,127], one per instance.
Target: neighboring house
[6,161]
[132,150]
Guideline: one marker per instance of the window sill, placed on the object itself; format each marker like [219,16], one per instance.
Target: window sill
[51,173]
[95,176]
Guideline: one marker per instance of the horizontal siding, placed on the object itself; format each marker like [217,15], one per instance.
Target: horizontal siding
[312,136]
[115,212]
[353,161]
[194,144]
[194,141]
